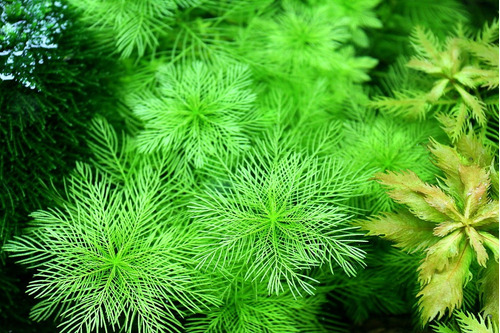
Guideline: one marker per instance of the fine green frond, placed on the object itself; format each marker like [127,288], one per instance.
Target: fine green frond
[394,145]
[280,213]
[111,154]
[248,307]
[296,39]
[134,25]
[198,112]
[103,259]
[208,41]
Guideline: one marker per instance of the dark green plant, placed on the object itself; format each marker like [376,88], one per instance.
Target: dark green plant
[51,85]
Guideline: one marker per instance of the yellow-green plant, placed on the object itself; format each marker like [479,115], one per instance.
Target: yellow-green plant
[455,223]
[462,72]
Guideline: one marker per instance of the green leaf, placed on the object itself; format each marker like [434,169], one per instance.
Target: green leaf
[475,104]
[470,324]
[425,44]
[488,288]
[411,104]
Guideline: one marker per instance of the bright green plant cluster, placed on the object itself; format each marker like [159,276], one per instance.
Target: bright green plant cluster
[220,165]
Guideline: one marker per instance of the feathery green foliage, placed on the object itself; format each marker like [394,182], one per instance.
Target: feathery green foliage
[132,26]
[248,308]
[197,112]
[113,255]
[282,214]
[394,145]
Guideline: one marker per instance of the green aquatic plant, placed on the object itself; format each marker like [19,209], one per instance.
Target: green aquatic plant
[113,255]
[361,14]
[231,156]
[133,27]
[394,145]
[198,112]
[282,213]
[248,307]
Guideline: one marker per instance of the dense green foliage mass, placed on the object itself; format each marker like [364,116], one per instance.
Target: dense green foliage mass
[52,84]
[224,165]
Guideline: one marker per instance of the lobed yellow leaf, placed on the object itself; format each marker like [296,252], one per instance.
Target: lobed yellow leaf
[444,288]
[468,323]
[485,52]
[475,152]
[468,75]
[443,203]
[448,160]
[426,44]
[476,242]
[408,189]
[439,255]
[487,215]
[424,65]
[438,90]
[475,104]
[407,231]
[454,124]
[476,181]
[491,242]
[408,104]
[445,228]
[450,59]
